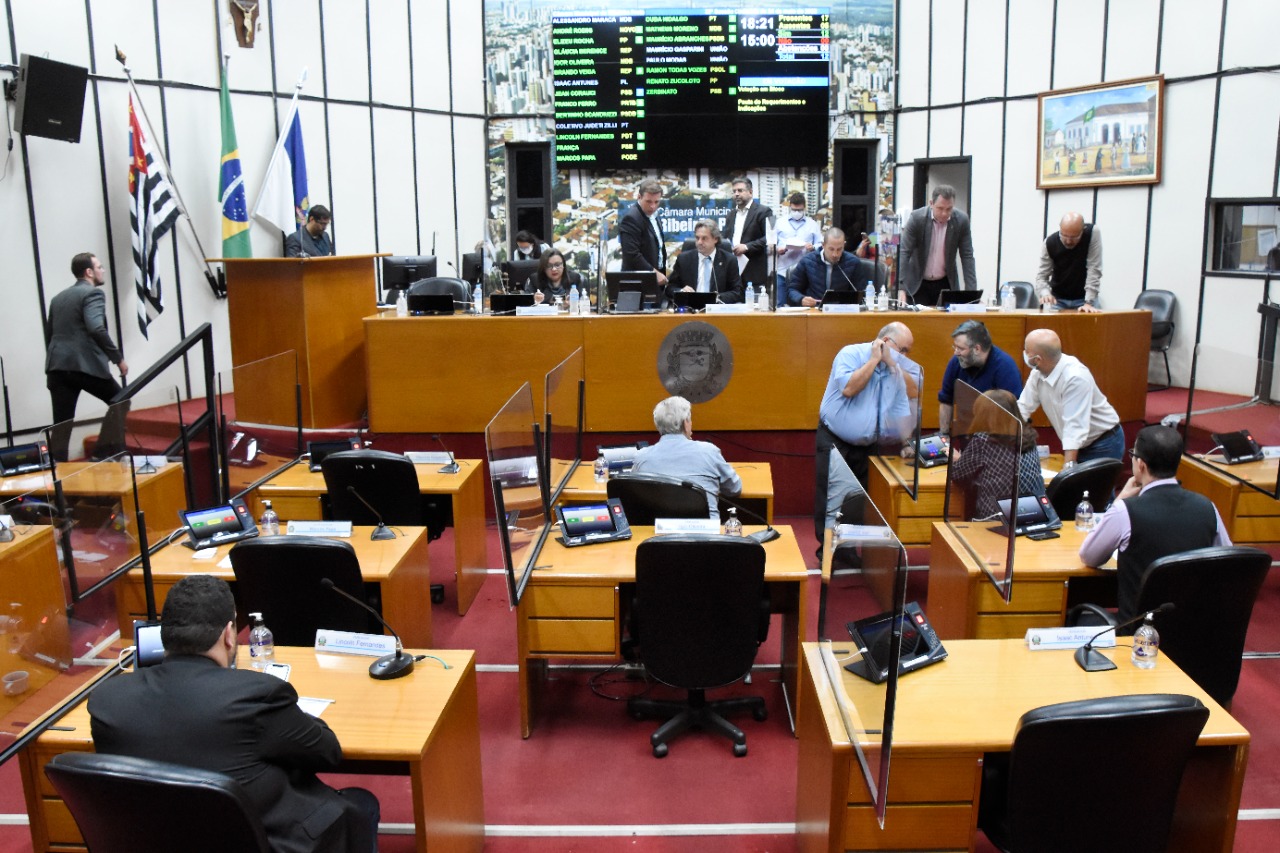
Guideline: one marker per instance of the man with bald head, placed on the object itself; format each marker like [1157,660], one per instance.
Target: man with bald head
[1070,273]
[1079,412]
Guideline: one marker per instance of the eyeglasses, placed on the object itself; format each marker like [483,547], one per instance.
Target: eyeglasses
[554,266]
[1134,455]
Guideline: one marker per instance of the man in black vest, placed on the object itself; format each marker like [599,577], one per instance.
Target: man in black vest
[1070,271]
[1152,517]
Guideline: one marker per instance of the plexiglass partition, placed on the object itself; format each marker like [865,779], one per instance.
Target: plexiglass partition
[993,467]
[1219,433]
[519,492]
[258,404]
[565,399]
[863,576]
[899,448]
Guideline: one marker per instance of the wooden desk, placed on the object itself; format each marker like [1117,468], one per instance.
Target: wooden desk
[964,604]
[398,566]
[948,715]
[297,494]
[757,488]
[888,486]
[40,644]
[425,726]
[572,608]
[780,363]
[1251,517]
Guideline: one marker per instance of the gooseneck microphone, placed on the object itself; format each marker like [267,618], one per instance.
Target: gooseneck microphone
[395,665]
[1092,660]
[381,531]
[761,536]
[452,467]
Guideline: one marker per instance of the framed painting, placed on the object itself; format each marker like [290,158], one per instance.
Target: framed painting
[1103,135]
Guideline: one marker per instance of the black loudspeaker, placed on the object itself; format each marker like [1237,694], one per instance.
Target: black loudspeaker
[529,188]
[50,98]
[854,184]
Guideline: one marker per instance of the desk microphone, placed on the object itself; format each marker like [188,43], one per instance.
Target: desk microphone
[452,467]
[395,665]
[761,536]
[381,531]
[1091,660]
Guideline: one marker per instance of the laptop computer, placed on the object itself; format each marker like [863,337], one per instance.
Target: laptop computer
[1035,514]
[318,450]
[692,300]
[507,303]
[620,457]
[843,297]
[958,297]
[24,459]
[421,304]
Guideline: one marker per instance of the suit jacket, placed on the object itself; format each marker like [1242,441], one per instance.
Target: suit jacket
[191,711]
[809,276]
[913,254]
[78,336]
[640,249]
[754,236]
[724,269]
[301,242]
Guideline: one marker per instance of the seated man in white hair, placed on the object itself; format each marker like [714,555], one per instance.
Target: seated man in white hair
[678,456]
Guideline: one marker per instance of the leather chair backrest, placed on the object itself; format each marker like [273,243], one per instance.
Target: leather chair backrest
[646,497]
[1024,292]
[1161,304]
[444,285]
[1097,477]
[1213,591]
[135,805]
[387,481]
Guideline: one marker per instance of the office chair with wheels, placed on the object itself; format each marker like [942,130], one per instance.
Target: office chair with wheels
[1097,477]
[646,497]
[1161,304]
[1213,591]
[279,577]
[455,287]
[1043,796]
[135,805]
[1025,293]
[701,601]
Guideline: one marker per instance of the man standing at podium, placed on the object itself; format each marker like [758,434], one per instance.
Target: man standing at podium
[311,240]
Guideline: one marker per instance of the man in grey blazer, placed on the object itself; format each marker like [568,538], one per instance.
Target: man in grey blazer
[80,350]
[927,265]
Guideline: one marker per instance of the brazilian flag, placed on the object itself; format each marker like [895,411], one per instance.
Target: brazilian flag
[235,213]
[1088,115]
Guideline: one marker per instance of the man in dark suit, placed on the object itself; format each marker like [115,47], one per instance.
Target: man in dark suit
[747,227]
[709,269]
[193,709]
[643,243]
[80,350]
[931,238]
[311,240]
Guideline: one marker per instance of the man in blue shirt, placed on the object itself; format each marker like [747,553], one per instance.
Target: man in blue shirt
[864,407]
[678,456]
[830,269]
[979,363]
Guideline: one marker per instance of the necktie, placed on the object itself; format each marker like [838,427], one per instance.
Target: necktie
[704,276]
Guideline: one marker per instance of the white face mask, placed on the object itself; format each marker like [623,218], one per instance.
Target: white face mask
[1027,360]
[797,216]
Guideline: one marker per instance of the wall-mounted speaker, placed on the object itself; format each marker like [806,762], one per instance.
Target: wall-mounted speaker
[529,189]
[50,98]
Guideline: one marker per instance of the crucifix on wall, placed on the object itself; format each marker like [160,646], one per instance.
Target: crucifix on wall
[244,17]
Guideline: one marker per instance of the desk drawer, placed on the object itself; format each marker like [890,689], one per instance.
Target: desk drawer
[63,832]
[910,827]
[572,636]
[1013,626]
[1252,502]
[572,602]
[1033,596]
[296,508]
[916,779]
[1256,528]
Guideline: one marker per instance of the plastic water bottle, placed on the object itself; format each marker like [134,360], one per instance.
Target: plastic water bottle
[477,300]
[733,527]
[584,303]
[870,300]
[1084,514]
[270,523]
[1008,299]
[601,468]
[402,304]
[750,298]
[882,300]
[574,301]
[1146,645]
[262,643]
[762,299]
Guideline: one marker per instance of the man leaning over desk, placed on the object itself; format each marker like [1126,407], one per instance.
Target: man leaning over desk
[980,363]
[1085,422]
[1070,272]
[678,456]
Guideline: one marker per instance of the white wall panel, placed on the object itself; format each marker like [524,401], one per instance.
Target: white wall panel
[913,56]
[430,54]
[352,190]
[466,39]
[390,35]
[436,187]
[56,29]
[912,138]
[1247,118]
[1133,33]
[393,153]
[471,179]
[250,67]
[1077,48]
[944,133]
[984,77]
[297,38]
[346,50]
[904,189]
[1251,33]
[1030,32]
[1023,204]
[1190,39]
[181,61]
[1122,222]
[982,141]
[948,53]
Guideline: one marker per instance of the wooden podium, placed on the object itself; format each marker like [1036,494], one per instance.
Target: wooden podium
[313,307]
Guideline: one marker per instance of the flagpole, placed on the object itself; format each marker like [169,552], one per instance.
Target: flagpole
[219,291]
[284,132]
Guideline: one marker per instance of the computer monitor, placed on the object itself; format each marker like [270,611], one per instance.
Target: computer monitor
[472,267]
[400,271]
[516,273]
[644,281]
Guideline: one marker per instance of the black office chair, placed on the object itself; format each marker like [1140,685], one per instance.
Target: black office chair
[691,245]
[1161,304]
[135,805]
[279,577]
[1025,293]
[1213,591]
[646,497]
[1097,477]
[1043,796]
[443,285]
[701,601]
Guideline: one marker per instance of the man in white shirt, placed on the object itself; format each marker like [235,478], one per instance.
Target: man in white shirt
[1085,422]
[747,228]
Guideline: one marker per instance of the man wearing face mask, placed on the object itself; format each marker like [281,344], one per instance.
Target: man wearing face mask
[865,406]
[798,235]
[980,364]
[1085,422]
